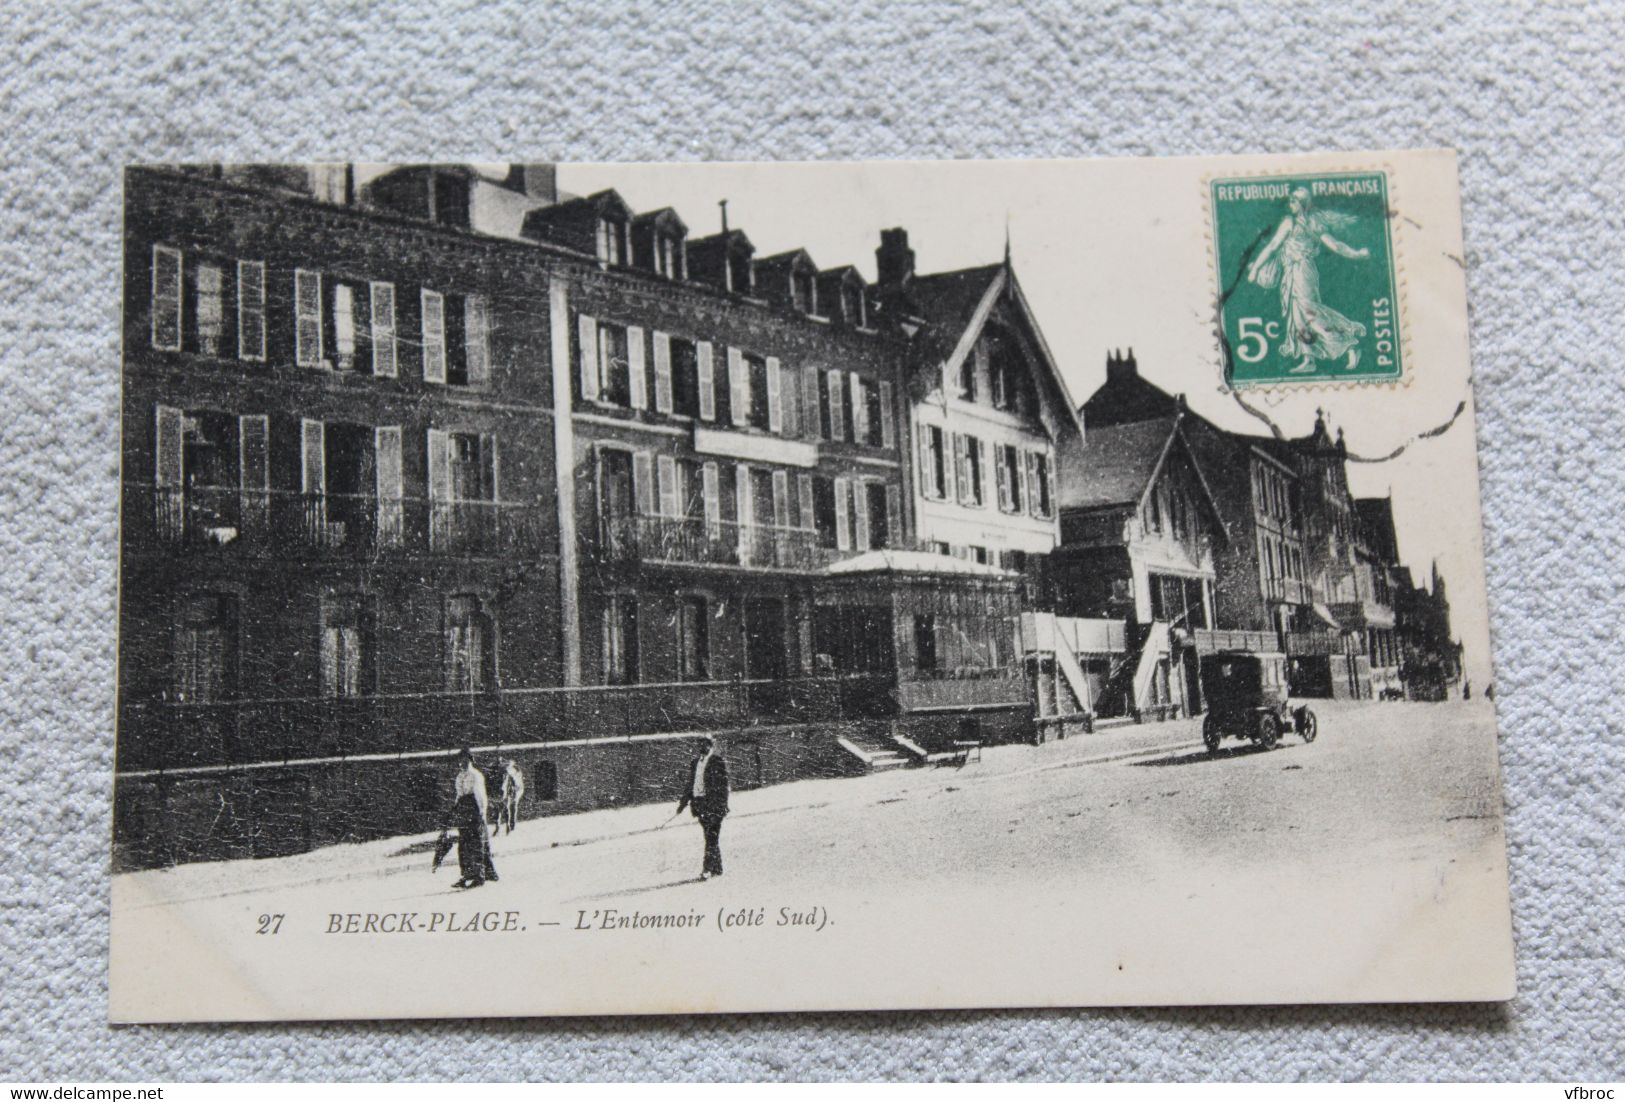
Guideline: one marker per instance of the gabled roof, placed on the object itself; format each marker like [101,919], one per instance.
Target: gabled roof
[665,216]
[1119,464]
[955,307]
[607,201]
[786,260]
[846,273]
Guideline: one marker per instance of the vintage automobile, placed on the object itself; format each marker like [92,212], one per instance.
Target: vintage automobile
[1247,698]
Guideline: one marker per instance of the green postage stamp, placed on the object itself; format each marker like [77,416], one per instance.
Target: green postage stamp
[1307,287]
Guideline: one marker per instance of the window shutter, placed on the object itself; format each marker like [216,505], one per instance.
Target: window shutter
[434,337]
[843,522]
[313,479]
[860,514]
[209,313]
[666,470]
[738,388]
[804,498]
[490,467]
[775,412]
[894,514]
[307,301]
[167,458]
[860,410]
[662,372]
[439,465]
[344,326]
[387,451]
[744,508]
[587,339]
[1046,476]
[928,469]
[961,467]
[982,467]
[1035,484]
[477,339]
[1003,474]
[708,381]
[713,499]
[888,430]
[643,487]
[637,367]
[383,330]
[251,310]
[781,499]
[166,298]
[837,422]
[254,469]
[811,406]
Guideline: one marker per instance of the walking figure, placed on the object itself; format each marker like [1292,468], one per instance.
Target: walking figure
[468,812]
[705,794]
[513,790]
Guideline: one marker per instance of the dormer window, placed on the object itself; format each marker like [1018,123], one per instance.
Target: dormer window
[668,255]
[739,273]
[449,196]
[613,246]
[852,305]
[803,291]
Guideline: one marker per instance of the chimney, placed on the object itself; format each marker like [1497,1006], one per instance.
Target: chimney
[894,260]
[537,181]
[1120,367]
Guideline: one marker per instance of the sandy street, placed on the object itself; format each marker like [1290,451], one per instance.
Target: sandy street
[1132,838]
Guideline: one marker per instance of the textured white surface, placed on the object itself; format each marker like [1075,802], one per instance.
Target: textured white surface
[1532,99]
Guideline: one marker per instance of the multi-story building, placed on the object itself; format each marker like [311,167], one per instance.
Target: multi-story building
[433,459]
[1261,582]
[1377,547]
[988,409]
[1306,569]
[1139,529]
[337,529]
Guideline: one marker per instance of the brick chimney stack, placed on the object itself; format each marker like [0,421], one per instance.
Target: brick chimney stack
[1120,367]
[894,260]
[538,181]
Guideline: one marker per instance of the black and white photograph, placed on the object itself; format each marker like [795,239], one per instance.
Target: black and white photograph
[557,589]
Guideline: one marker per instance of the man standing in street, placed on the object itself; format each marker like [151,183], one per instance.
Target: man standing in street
[705,793]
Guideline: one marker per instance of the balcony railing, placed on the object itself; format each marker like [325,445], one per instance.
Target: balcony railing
[700,541]
[280,523]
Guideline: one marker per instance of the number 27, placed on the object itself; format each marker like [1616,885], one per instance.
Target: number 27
[270,924]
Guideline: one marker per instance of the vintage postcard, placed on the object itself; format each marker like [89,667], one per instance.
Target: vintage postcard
[587,589]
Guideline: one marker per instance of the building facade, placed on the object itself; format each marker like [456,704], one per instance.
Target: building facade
[338,527]
[438,459]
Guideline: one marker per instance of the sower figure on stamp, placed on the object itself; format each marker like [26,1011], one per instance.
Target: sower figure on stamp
[513,790]
[705,793]
[1313,330]
[468,812]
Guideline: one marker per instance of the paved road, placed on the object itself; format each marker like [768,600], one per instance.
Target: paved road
[1389,798]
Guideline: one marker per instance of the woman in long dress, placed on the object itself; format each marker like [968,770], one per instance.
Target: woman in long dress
[468,814]
[1313,330]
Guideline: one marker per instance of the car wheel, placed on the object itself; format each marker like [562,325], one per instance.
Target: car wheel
[1211,734]
[1308,725]
[1269,730]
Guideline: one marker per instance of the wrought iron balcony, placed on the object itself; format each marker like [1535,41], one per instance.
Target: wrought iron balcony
[695,540]
[274,524]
